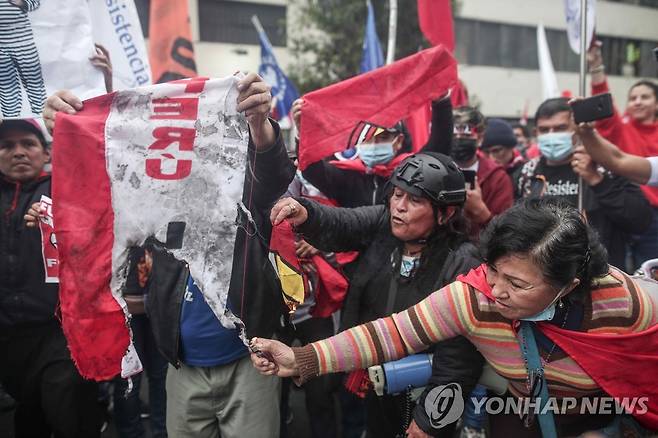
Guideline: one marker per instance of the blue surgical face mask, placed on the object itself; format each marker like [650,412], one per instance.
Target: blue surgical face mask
[547,314]
[555,146]
[375,153]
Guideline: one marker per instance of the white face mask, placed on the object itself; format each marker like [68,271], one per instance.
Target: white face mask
[376,153]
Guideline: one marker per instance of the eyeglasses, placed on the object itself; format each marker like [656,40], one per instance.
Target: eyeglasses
[464,129]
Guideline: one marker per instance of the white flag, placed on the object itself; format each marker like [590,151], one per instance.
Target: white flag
[548,78]
[44,47]
[116,27]
[572,14]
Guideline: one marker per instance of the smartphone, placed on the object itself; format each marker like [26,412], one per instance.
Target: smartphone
[469,178]
[592,108]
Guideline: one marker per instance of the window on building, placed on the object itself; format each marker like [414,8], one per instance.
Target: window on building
[647,3]
[230,22]
[513,46]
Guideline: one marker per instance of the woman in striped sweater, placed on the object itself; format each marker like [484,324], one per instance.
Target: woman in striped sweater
[595,328]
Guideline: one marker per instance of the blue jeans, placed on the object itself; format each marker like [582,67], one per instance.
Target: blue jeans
[645,246]
[471,418]
[127,408]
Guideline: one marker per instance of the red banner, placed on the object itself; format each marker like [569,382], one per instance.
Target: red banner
[171,53]
[382,97]
[435,20]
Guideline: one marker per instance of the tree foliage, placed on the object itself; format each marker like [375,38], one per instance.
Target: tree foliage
[335,51]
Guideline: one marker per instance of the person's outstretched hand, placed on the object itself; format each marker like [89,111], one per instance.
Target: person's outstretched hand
[273,358]
[102,61]
[594,55]
[290,209]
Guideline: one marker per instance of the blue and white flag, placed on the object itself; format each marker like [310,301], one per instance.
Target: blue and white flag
[373,57]
[284,92]
[572,14]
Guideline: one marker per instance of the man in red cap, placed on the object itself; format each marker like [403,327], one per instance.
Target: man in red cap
[36,367]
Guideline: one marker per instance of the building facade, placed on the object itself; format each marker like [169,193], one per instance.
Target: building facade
[496,44]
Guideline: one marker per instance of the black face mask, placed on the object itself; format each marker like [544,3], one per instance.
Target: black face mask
[463,149]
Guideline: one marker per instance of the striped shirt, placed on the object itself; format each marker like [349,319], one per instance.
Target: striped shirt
[616,304]
[15,27]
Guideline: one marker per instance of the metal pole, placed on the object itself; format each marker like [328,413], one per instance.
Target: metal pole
[582,90]
[392,30]
[582,86]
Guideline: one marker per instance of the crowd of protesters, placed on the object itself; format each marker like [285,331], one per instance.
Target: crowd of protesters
[475,232]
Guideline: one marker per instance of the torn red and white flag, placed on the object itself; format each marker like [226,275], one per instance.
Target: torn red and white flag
[128,166]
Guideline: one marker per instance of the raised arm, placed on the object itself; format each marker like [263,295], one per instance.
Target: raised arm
[383,340]
[331,229]
[611,128]
[442,126]
[637,169]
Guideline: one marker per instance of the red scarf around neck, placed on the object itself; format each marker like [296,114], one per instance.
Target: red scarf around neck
[623,365]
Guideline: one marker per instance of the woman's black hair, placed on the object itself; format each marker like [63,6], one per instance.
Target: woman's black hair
[554,235]
[646,83]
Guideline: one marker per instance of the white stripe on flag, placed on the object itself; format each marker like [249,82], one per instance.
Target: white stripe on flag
[199,181]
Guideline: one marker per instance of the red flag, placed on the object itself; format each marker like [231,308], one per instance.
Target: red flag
[435,19]
[418,125]
[459,96]
[171,53]
[383,97]
[93,322]
[119,164]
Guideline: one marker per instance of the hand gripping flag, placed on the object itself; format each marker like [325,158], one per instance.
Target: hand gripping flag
[128,166]
[380,97]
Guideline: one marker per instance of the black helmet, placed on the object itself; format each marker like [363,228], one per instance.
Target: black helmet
[431,175]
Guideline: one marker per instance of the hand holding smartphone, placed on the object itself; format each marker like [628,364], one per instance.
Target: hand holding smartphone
[592,108]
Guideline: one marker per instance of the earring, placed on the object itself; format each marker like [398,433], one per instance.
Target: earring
[560,304]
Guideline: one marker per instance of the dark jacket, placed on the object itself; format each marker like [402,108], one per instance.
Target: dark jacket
[254,291]
[25,298]
[615,207]
[497,190]
[377,289]
[354,189]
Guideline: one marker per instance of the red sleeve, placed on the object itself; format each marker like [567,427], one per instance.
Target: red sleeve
[498,193]
[611,128]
